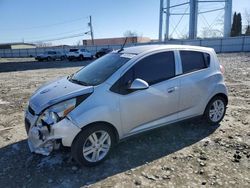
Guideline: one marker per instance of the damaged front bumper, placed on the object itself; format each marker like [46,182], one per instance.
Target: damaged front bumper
[44,139]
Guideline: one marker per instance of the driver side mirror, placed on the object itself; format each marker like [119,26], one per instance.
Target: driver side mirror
[138,84]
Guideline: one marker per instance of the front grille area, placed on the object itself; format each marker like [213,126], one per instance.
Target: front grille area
[31,111]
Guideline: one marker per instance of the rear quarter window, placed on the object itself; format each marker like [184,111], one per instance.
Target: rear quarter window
[193,61]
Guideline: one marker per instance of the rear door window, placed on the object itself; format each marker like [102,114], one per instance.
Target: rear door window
[193,61]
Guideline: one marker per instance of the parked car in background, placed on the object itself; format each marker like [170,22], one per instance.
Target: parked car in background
[51,56]
[79,54]
[124,93]
[102,52]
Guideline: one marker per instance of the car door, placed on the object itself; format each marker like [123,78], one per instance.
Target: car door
[194,82]
[85,53]
[88,54]
[58,55]
[145,109]
[53,55]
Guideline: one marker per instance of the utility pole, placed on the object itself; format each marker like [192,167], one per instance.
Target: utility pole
[160,20]
[167,20]
[193,17]
[228,18]
[91,29]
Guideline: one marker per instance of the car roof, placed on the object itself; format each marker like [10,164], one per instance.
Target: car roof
[149,48]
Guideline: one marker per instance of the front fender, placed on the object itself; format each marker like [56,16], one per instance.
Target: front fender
[98,114]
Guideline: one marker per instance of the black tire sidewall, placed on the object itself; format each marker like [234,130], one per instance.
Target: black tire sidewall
[77,146]
[81,57]
[206,114]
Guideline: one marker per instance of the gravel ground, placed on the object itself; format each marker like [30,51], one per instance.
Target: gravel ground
[187,154]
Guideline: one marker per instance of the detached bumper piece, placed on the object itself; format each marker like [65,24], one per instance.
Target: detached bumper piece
[40,141]
[44,139]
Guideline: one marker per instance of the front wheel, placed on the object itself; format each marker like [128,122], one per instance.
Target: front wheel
[81,58]
[49,59]
[215,110]
[93,145]
[62,58]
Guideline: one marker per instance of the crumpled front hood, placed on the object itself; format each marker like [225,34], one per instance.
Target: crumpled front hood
[55,92]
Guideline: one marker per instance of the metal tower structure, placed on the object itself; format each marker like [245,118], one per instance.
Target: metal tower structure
[165,13]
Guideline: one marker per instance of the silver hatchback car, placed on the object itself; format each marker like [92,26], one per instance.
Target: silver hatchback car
[125,93]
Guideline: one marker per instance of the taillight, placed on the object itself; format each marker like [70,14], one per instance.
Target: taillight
[222,69]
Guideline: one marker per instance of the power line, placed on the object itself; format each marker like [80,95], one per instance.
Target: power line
[55,35]
[61,38]
[43,26]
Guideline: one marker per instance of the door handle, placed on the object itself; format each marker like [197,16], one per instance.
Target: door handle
[171,90]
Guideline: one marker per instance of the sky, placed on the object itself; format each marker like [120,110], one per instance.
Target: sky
[44,20]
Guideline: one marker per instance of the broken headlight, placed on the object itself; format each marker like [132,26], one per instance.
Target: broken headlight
[56,112]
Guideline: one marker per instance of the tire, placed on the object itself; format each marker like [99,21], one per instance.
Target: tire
[62,58]
[219,112]
[81,57]
[49,59]
[98,152]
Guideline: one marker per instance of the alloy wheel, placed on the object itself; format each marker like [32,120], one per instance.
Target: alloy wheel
[96,146]
[216,110]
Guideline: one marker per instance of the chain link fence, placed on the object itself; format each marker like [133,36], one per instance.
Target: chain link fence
[221,45]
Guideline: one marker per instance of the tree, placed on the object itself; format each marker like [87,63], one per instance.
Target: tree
[78,43]
[237,25]
[43,44]
[233,29]
[206,32]
[247,18]
[248,31]
[130,33]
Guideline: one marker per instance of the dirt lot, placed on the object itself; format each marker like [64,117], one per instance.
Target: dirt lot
[188,154]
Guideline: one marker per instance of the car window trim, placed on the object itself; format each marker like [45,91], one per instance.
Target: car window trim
[141,58]
[192,71]
[150,55]
[137,91]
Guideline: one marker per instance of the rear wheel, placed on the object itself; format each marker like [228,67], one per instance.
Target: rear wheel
[81,57]
[215,110]
[62,58]
[49,59]
[93,145]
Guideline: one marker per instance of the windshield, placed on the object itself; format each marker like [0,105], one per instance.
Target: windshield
[99,70]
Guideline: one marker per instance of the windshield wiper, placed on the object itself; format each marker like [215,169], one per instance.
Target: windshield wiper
[70,76]
[78,82]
